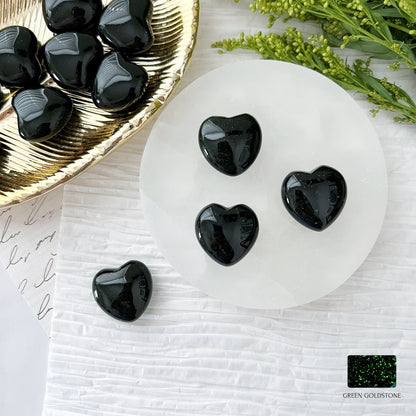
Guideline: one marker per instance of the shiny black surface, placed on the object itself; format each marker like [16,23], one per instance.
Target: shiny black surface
[41,112]
[315,199]
[226,234]
[123,293]
[72,15]
[19,62]
[72,59]
[125,25]
[119,84]
[230,145]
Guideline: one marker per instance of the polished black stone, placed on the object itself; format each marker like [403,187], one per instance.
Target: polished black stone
[41,112]
[315,199]
[230,145]
[125,25]
[123,293]
[226,234]
[20,65]
[119,84]
[72,15]
[72,59]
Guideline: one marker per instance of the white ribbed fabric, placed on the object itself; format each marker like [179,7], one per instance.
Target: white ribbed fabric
[191,355]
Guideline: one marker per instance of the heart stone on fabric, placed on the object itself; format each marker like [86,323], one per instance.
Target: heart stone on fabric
[230,145]
[123,293]
[227,234]
[315,199]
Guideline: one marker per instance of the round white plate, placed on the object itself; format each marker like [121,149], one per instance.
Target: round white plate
[307,121]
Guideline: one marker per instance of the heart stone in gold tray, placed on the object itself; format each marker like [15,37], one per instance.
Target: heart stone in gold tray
[30,169]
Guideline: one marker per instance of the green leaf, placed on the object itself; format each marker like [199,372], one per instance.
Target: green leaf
[375,85]
[382,27]
[402,13]
[352,30]
[319,62]
[390,13]
[384,10]
[333,40]
[408,51]
[376,50]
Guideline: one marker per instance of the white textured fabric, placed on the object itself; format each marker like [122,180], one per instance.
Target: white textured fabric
[190,354]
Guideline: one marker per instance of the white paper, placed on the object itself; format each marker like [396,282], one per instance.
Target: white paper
[23,354]
[28,250]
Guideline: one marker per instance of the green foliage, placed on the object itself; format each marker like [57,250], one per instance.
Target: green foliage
[385,29]
[316,53]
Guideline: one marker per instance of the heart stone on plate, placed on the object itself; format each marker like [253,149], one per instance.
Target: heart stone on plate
[19,57]
[72,59]
[41,112]
[315,199]
[123,293]
[72,15]
[226,234]
[119,84]
[125,25]
[230,145]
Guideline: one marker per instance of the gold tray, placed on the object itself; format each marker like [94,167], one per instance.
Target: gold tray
[28,170]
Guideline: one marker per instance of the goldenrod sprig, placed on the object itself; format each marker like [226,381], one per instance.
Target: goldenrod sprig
[359,24]
[315,53]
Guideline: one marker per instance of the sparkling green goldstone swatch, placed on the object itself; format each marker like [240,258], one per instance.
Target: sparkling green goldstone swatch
[371,371]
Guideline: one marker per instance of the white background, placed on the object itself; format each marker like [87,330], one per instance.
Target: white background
[23,354]
[193,355]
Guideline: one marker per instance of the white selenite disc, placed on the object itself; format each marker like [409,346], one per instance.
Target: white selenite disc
[307,121]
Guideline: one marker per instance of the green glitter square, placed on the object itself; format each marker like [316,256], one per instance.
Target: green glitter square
[371,371]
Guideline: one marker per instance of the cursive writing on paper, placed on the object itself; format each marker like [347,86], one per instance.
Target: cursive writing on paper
[6,235]
[48,273]
[44,308]
[22,286]
[15,258]
[28,247]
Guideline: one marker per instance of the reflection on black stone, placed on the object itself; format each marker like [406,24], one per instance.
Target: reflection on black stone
[119,84]
[19,62]
[124,293]
[72,15]
[124,303]
[41,112]
[226,234]
[125,25]
[73,59]
[230,145]
[315,199]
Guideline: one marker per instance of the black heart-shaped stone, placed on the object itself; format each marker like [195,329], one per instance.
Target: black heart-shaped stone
[41,112]
[72,59]
[20,65]
[119,84]
[226,234]
[230,145]
[125,25]
[123,293]
[315,199]
[72,15]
